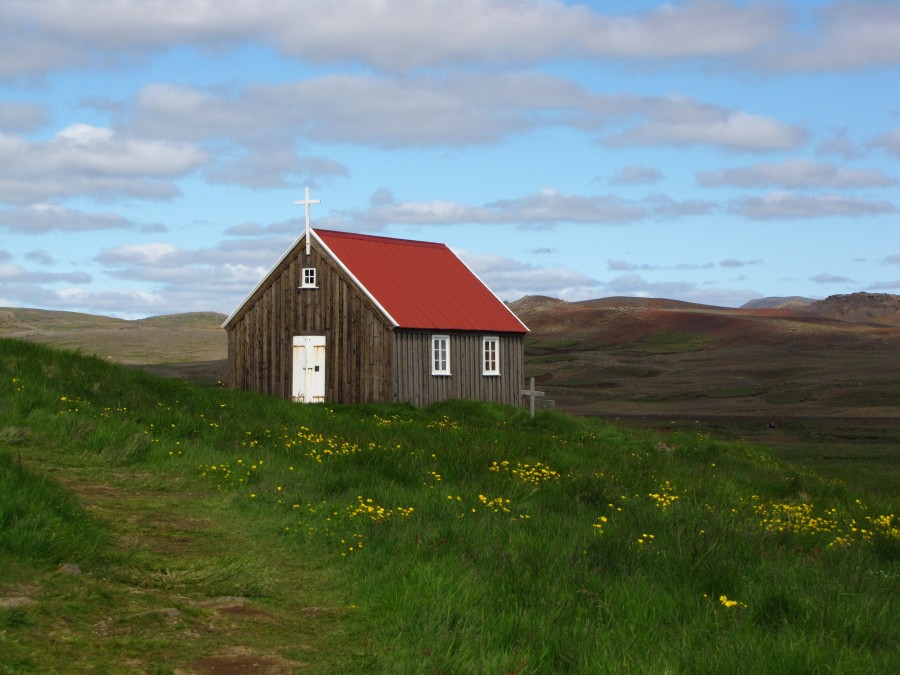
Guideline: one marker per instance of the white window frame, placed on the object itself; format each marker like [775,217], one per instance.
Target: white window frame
[440,355]
[309,278]
[490,352]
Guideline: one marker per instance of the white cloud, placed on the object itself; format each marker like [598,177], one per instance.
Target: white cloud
[846,35]
[826,278]
[448,110]
[838,142]
[136,259]
[626,266]
[635,174]
[796,173]
[511,279]
[399,35]
[668,208]
[392,35]
[43,218]
[82,147]
[543,209]
[789,205]
[292,226]
[19,117]
[892,259]
[550,207]
[184,279]
[888,286]
[14,274]
[137,254]
[680,122]
[889,142]
[634,285]
[277,166]
[734,262]
[86,160]
[414,111]
[127,303]
[40,256]
[32,51]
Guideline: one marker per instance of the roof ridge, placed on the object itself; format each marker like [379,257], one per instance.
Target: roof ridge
[376,237]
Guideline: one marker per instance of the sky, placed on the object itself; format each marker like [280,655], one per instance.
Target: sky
[708,151]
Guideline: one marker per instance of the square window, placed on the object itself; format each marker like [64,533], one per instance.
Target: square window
[309,278]
[490,350]
[440,354]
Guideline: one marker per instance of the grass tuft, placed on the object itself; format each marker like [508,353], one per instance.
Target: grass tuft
[42,522]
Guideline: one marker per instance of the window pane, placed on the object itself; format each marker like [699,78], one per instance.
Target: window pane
[440,355]
[490,356]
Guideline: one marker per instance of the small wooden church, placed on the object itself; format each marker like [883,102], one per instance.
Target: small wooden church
[352,318]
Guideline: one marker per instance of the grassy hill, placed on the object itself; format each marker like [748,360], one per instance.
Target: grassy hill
[216,532]
[192,345]
[819,386]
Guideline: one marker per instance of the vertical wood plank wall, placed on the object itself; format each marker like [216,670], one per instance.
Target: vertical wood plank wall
[357,337]
[413,381]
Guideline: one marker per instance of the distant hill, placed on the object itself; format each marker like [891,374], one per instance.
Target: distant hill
[535,301]
[881,308]
[790,302]
[657,356]
[23,319]
[192,342]
[211,320]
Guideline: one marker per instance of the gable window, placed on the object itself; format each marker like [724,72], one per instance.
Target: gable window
[440,354]
[490,351]
[309,278]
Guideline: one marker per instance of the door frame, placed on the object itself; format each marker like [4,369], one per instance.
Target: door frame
[308,369]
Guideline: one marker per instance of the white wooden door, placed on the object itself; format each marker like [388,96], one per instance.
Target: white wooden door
[308,379]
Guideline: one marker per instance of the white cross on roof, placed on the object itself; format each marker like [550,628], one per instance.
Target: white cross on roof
[306,202]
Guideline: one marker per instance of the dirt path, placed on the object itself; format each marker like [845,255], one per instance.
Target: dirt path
[193,585]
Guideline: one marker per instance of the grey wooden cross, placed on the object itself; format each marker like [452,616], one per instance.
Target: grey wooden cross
[306,202]
[531,394]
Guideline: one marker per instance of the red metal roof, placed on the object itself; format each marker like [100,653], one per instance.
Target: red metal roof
[420,284]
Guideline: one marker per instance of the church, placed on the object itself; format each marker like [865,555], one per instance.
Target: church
[354,318]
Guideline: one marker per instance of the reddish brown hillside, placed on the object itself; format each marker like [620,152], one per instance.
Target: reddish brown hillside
[620,321]
[634,355]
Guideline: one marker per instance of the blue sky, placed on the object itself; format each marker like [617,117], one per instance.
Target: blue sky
[708,151]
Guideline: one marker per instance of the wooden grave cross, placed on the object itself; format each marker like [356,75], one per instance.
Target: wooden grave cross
[531,394]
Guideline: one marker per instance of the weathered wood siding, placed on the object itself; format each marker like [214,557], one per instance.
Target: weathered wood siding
[357,337]
[414,383]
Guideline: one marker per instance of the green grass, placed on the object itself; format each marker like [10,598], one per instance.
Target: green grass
[459,538]
[40,521]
